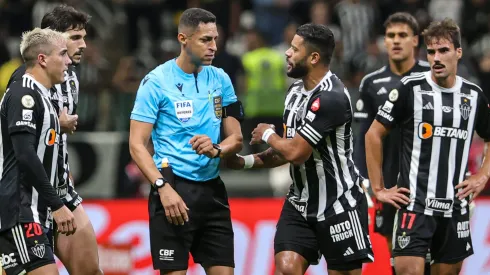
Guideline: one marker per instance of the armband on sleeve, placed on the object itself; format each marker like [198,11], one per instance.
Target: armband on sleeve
[234,110]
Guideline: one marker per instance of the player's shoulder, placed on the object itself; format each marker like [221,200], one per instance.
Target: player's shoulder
[414,78]
[332,90]
[26,89]
[422,65]
[17,75]
[368,79]
[470,85]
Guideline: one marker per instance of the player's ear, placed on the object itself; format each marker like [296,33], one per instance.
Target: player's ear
[314,58]
[459,52]
[41,59]
[415,41]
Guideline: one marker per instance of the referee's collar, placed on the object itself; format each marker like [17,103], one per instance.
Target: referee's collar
[43,89]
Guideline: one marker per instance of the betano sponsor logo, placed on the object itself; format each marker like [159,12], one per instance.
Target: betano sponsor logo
[427,130]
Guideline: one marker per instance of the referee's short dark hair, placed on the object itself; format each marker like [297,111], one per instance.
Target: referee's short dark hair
[445,29]
[191,18]
[403,18]
[318,38]
[64,18]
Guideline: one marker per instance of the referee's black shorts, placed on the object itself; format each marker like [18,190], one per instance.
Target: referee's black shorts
[208,235]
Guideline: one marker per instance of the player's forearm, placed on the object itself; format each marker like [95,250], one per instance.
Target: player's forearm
[286,149]
[374,159]
[268,159]
[29,162]
[144,161]
[485,168]
[231,145]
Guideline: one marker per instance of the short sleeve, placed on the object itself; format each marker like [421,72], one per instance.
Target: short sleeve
[324,113]
[148,99]
[483,118]
[23,109]
[394,110]
[229,95]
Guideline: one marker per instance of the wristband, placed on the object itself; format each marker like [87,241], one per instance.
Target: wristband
[249,161]
[267,134]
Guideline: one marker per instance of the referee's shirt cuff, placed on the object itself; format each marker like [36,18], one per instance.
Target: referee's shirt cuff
[142,118]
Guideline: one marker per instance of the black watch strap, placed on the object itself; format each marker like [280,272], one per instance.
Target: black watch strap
[217,147]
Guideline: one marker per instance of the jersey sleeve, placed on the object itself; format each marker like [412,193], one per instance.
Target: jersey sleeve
[324,113]
[148,100]
[394,110]
[229,95]
[483,118]
[23,110]
[364,105]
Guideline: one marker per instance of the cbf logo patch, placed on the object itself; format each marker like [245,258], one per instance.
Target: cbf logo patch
[184,110]
[218,106]
[465,108]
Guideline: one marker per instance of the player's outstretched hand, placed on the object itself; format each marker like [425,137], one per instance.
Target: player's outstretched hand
[393,196]
[65,220]
[258,132]
[68,122]
[203,145]
[472,185]
[175,207]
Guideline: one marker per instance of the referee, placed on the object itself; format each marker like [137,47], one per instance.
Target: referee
[181,105]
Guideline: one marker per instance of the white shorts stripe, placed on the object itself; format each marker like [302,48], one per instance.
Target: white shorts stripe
[359,227]
[20,243]
[356,232]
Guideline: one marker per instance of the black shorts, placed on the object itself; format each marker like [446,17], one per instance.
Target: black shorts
[448,239]
[208,235]
[24,247]
[343,239]
[384,218]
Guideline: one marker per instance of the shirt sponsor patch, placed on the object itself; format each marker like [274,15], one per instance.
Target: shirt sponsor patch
[184,110]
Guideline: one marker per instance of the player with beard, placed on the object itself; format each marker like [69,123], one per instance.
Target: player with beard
[326,209]
[401,40]
[64,97]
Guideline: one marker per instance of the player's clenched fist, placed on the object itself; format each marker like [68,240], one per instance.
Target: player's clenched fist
[65,220]
[259,131]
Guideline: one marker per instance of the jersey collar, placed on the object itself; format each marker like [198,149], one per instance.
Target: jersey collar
[327,76]
[44,90]
[455,88]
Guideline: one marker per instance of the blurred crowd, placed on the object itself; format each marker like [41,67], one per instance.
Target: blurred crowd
[128,38]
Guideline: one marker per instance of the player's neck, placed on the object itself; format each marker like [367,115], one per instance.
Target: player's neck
[314,77]
[40,76]
[185,63]
[447,82]
[400,68]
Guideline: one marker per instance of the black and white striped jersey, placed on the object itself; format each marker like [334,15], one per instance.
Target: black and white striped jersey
[328,182]
[66,96]
[26,107]
[437,126]
[62,95]
[373,92]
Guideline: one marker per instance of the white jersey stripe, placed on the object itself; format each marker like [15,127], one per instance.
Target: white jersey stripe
[414,161]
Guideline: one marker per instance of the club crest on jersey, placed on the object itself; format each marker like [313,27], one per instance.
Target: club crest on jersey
[403,240]
[465,109]
[39,250]
[379,221]
[315,105]
[184,110]
[360,105]
[218,106]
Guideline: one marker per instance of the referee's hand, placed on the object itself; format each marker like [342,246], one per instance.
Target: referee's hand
[175,208]
[65,220]
[203,145]
[393,196]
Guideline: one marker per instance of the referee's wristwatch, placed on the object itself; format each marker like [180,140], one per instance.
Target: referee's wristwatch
[217,147]
[159,183]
